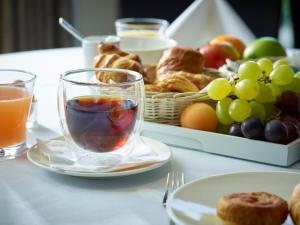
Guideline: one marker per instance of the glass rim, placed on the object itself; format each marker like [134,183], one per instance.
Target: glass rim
[20,71]
[64,75]
[149,22]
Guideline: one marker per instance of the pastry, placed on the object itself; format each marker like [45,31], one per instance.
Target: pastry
[254,208]
[295,205]
[176,83]
[180,59]
[111,56]
[106,49]
[115,61]
[150,74]
[153,88]
[199,80]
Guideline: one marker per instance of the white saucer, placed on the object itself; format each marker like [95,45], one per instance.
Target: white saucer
[35,156]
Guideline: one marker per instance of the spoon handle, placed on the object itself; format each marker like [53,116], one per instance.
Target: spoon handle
[68,27]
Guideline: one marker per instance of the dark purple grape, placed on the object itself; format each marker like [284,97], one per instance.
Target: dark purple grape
[292,119]
[292,131]
[235,130]
[253,128]
[276,131]
[288,102]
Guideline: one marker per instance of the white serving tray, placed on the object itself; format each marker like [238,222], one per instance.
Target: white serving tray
[221,144]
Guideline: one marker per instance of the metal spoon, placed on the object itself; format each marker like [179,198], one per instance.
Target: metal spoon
[68,27]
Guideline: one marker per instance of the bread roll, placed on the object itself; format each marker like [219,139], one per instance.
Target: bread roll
[295,205]
[180,59]
[254,208]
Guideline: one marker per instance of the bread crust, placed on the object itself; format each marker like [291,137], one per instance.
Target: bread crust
[295,205]
[180,59]
[254,208]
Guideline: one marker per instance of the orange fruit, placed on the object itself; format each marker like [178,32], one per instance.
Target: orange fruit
[200,116]
[235,42]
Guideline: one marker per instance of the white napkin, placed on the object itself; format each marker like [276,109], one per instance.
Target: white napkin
[205,19]
[61,157]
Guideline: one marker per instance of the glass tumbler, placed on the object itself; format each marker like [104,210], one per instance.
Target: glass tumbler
[16,90]
[141,27]
[101,110]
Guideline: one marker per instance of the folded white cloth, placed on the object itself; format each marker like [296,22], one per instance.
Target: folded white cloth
[205,19]
[61,157]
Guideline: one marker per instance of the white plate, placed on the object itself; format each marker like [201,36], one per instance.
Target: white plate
[202,195]
[35,156]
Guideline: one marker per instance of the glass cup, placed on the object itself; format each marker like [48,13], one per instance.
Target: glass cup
[16,91]
[100,116]
[141,27]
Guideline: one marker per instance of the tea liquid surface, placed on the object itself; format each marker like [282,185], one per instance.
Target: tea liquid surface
[100,124]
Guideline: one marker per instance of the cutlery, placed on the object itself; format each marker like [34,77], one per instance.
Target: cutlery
[173,181]
[68,27]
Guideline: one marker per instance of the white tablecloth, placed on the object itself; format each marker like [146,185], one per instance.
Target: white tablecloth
[30,195]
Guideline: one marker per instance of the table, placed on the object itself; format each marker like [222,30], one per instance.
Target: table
[30,195]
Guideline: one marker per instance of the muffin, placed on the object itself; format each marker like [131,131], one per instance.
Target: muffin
[253,208]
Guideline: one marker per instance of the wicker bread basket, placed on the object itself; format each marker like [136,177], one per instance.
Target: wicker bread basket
[166,107]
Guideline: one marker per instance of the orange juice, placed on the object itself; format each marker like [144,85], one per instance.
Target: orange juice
[14,109]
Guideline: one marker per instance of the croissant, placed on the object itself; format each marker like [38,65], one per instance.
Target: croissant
[295,205]
[111,56]
[105,49]
[176,83]
[199,80]
[150,74]
[115,61]
[153,88]
[180,59]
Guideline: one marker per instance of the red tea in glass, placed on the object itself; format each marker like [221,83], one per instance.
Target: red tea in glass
[100,124]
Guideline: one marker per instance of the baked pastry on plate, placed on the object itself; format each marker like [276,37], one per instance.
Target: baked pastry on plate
[253,208]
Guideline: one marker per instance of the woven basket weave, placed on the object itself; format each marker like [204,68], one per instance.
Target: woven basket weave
[167,107]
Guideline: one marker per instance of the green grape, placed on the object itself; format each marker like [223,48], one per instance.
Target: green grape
[222,111]
[218,89]
[297,75]
[264,94]
[282,75]
[246,89]
[258,110]
[266,66]
[293,86]
[280,62]
[270,110]
[239,110]
[276,90]
[249,70]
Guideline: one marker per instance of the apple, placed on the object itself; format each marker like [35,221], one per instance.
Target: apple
[263,47]
[215,54]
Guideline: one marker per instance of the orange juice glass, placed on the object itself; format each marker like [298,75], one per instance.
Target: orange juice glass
[16,90]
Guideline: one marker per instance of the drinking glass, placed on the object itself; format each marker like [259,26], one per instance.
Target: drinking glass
[100,110]
[141,27]
[16,90]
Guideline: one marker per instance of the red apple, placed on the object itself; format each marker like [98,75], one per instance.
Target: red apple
[216,54]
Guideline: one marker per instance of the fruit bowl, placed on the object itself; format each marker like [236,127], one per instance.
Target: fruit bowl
[225,145]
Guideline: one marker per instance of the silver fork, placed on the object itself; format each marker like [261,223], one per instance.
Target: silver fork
[174,180]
